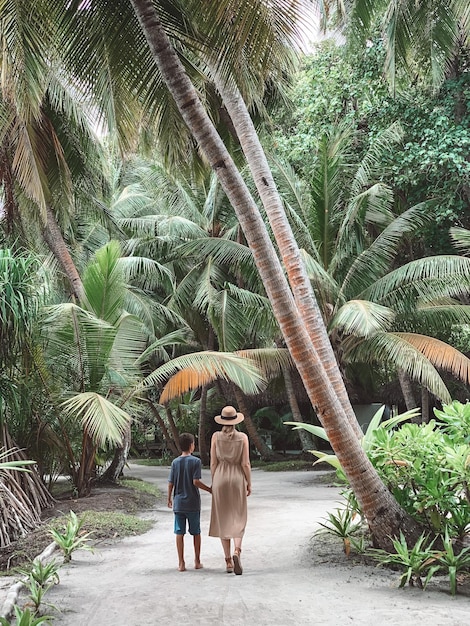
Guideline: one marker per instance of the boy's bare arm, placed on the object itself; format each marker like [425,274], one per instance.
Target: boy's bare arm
[170,493]
[197,482]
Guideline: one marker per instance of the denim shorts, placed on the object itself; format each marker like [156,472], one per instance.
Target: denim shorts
[194,522]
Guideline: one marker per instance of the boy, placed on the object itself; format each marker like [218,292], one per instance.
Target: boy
[184,483]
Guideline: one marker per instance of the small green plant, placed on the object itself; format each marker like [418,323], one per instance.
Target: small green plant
[343,524]
[43,573]
[24,617]
[36,592]
[417,562]
[71,538]
[452,562]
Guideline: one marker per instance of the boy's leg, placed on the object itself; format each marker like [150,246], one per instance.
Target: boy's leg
[180,550]
[194,521]
[180,529]
[197,551]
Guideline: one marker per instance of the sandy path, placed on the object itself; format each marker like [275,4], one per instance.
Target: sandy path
[135,581]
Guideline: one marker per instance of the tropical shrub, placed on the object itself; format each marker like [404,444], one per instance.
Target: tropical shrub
[425,466]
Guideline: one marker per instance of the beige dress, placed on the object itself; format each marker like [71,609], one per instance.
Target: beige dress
[229,497]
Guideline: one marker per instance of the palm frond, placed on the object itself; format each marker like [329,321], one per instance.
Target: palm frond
[160,346]
[191,371]
[362,318]
[376,260]
[270,361]
[324,284]
[103,420]
[103,282]
[440,354]
[397,350]
[439,315]
[423,280]
[461,237]
[148,273]
[371,166]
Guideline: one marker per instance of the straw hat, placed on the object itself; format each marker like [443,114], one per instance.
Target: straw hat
[229,416]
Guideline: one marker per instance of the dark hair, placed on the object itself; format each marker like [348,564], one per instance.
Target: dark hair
[185,441]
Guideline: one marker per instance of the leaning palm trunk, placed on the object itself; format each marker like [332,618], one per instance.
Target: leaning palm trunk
[54,239]
[298,279]
[383,513]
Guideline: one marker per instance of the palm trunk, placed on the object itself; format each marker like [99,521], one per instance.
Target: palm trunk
[265,452]
[407,390]
[424,405]
[166,435]
[174,431]
[203,450]
[305,437]
[86,471]
[296,272]
[54,239]
[114,471]
[383,513]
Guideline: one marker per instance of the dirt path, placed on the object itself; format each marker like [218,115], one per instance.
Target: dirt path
[135,581]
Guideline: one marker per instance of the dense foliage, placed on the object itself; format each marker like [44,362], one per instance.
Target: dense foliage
[432,160]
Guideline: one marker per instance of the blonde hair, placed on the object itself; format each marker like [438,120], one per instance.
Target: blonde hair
[228,430]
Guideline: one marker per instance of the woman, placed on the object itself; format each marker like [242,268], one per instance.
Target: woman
[231,484]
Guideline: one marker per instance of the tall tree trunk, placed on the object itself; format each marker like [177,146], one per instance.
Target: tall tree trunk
[54,239]
[407,390]
[305,437]
[203,451]
[86,471]
[385,517]
[424,405]
[121,453]
[253,434]
[174,430]
[166,435]
[288,248]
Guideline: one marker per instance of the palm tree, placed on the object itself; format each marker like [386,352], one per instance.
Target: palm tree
[50,157]
[422,37]
[105,342]
[377,309]
[217,293]
[384,515]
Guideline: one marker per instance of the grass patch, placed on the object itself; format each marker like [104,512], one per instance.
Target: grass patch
[151,462]
[283,466]
[141,485]
[107,524]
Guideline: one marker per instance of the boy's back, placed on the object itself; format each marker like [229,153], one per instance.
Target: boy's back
[184,470]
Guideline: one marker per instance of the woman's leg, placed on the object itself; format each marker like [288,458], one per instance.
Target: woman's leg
[226,547]
[228,556]
[237,564]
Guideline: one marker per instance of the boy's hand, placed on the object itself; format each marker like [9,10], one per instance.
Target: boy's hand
[170,503]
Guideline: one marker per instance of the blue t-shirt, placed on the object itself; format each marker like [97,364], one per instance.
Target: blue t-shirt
[186,496]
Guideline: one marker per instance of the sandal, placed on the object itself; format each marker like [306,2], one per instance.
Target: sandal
[229,565]
[237,565]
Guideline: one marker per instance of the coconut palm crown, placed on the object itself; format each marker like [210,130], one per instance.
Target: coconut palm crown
[378,308]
